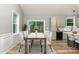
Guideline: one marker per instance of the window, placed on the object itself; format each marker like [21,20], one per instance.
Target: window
[39,25]
[32,25]
[15,23]
[70,21]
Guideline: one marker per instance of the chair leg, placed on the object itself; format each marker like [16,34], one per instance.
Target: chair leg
[41,48]
[41,45]
[51,48]
[32,43]
[29,48]
[19,47]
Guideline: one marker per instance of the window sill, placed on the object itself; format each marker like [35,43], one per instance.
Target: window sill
[15,33]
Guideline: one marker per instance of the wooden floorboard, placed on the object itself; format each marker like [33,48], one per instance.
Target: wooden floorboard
[59,46]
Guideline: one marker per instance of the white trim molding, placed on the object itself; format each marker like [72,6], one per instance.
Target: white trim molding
[8,41]
[18,21]
[74,20]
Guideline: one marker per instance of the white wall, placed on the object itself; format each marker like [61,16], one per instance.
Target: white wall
[57,21]
[6,17]
[53,27]
[7,40]
[50,21]
[60,20]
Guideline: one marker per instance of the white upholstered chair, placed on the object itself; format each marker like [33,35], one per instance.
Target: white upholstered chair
[28,41]
[77,42]
[24,35]
[49,40]
[75,28]
[22,42]
[70,37]
[48,36]
[71,40]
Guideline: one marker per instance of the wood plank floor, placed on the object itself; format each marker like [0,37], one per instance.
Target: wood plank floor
[60,47]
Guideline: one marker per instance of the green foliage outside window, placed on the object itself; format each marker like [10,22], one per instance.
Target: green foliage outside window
[36,25]
[69,22]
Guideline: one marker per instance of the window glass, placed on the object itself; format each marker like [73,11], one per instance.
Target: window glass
[14,28]
[14,19]
[36,25]
[69,22]
[32,25]
[15,23]
[40,26]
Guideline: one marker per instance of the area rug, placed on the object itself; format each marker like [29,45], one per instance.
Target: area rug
[36,49]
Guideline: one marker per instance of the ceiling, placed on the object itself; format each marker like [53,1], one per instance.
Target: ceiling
[49,9]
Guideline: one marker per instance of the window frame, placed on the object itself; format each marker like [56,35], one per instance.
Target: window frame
[73,18]
[17,22]
[39,20]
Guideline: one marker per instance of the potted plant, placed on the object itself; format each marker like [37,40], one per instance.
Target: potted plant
[24,27]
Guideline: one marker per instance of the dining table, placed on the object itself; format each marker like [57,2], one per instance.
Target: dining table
[36,36]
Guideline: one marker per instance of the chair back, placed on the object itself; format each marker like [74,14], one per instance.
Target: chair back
[21,36]
[75,28]
[46,33]
[70,36]
[25,34]
[50,35]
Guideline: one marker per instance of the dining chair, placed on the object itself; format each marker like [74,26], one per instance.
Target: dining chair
[23,40]
[23,36]
[40,35]
[70,37]
[49,40]
[48,36]
[75,28]
[29,42]
[71,40]
[77,43]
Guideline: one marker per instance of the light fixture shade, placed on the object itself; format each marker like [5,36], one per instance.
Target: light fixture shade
[74,12]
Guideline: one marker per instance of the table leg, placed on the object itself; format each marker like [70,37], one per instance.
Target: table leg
[26,46]
[45,48]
